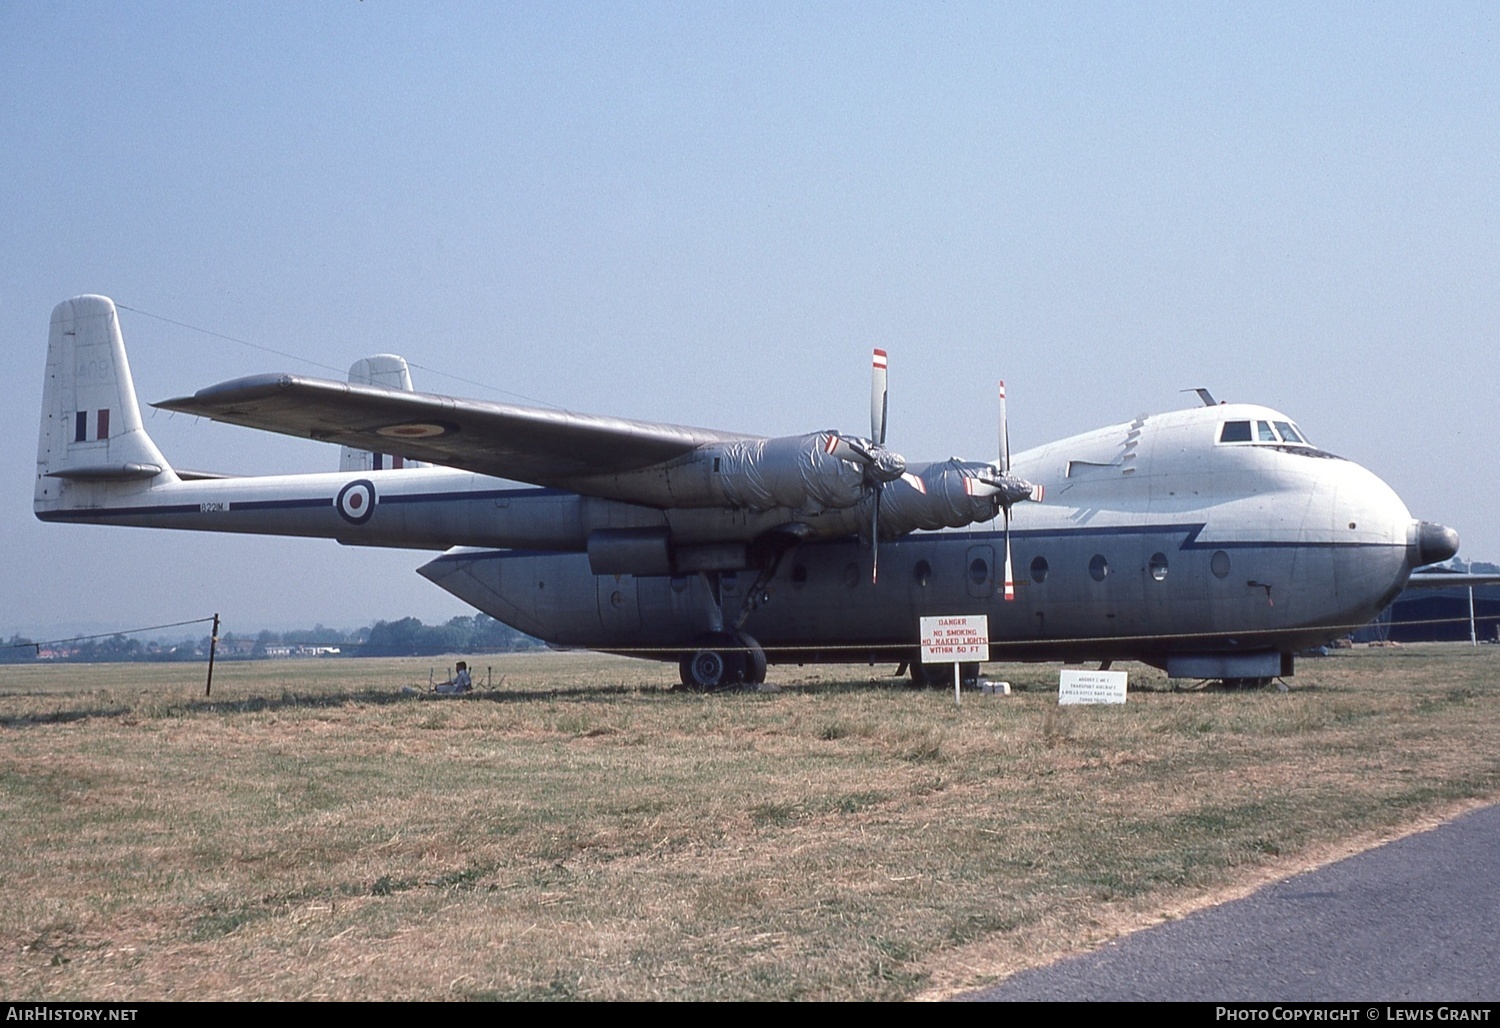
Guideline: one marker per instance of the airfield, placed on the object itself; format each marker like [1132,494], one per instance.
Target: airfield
[585,831]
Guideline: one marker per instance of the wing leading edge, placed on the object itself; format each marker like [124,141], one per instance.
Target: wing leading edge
[526,444]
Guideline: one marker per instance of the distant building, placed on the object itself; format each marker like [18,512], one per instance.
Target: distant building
[1439,615]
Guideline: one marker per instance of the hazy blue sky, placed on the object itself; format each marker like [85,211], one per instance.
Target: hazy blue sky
[708,214]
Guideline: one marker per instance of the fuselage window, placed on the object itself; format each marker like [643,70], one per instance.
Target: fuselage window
[851,574]
[922,573]
[1235,432]
[1039,570]
[1098,567]
[679,583]
[979,571]
[1220,564]
[1158,566]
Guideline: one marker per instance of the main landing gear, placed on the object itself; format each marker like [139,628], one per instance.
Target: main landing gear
[940,676]
[729,657]
[723,660]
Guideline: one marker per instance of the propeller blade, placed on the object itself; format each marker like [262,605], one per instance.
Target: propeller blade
[878,400]
[1004,433]
[879,464]
[986,481]
[849,448]
[1010,579]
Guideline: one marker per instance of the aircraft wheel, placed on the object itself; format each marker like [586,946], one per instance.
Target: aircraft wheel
[718,663]
[940,676]
[921,675]
[755,659]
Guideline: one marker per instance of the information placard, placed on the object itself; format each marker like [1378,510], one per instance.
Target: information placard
[1091,686]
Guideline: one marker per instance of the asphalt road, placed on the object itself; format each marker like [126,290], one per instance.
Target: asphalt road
[1417,919]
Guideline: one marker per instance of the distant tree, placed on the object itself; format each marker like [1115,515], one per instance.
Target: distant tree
[18,650]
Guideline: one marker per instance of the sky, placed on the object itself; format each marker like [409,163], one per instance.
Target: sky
[708,214]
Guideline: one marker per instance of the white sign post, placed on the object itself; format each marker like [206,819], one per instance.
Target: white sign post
[958,637]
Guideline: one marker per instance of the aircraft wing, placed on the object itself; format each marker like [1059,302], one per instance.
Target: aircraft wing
[526,444]
[1449,580]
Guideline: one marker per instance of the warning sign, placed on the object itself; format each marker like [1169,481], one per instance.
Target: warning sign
[959,637]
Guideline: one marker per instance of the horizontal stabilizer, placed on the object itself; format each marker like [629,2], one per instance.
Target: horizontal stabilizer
[105,472]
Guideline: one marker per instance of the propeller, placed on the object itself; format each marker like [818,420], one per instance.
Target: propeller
[878,464]
[997,481]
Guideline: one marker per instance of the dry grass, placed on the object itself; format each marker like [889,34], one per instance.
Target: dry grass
[585,832]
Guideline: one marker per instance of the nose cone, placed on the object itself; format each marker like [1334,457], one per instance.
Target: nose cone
[1435,543]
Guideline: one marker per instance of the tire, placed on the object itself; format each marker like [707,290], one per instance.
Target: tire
[940,676]
[755,659]
[718,662]
[931,676]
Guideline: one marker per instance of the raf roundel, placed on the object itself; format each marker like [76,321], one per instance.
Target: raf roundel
[415,430]
[356,501]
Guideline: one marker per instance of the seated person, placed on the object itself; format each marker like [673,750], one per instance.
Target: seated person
[460,682]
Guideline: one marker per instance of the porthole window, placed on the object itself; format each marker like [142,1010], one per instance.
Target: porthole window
[979,571]
[922,573]
[851,574]
[1039,570]
[1098,567]
[1219,563]
[1158,566]
[679,583]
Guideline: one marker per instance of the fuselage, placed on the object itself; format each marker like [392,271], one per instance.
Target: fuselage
[1156,538]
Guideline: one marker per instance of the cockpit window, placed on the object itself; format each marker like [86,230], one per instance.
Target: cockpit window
[1288,433]
[1271,433]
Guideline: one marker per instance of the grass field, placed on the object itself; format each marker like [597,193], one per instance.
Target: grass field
[584,831]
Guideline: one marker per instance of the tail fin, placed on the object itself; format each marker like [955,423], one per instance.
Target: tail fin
[91,424]
[391,372]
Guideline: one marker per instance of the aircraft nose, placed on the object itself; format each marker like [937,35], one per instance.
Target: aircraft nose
[1435,543]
